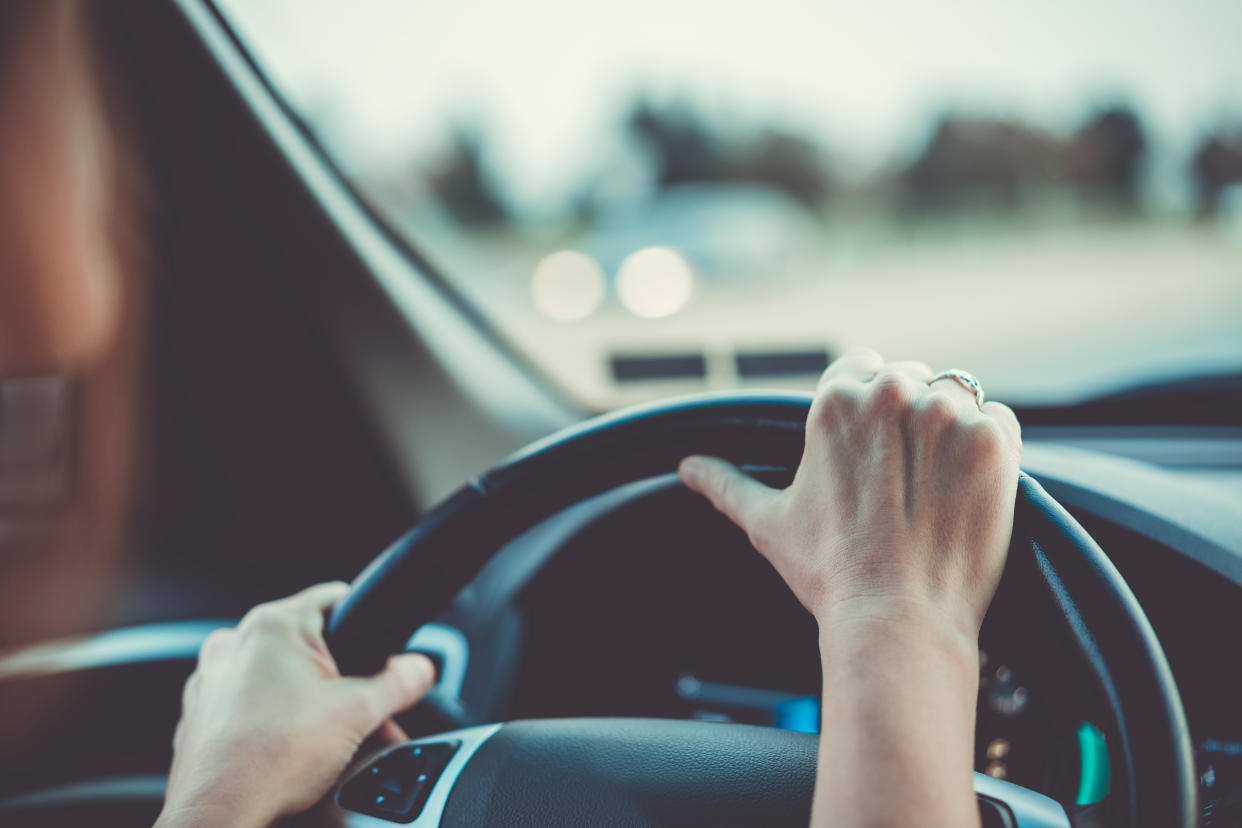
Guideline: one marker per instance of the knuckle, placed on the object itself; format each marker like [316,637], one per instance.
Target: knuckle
[1004,415]
[216,641]
[835,402]
[891,393]
[266,619]
[937,409]
[985,441]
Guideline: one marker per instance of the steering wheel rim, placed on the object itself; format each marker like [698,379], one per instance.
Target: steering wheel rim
[417,577]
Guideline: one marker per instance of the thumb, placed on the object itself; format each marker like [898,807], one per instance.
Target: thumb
[742,499]
[404,680]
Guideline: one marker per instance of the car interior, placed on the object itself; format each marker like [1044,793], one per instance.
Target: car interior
[302,394]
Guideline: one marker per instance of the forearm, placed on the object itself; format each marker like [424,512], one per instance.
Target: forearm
[898,724]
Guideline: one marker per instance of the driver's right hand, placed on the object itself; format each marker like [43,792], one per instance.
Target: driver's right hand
[268,723]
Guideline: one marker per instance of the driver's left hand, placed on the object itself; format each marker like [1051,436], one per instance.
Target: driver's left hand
[268,723]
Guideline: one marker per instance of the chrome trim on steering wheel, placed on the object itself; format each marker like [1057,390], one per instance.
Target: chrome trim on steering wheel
[471,738]
[1029,809]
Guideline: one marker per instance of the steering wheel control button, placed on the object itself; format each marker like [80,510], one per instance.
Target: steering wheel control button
[396,786]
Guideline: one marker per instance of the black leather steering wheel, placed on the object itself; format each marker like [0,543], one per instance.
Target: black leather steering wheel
[636,772]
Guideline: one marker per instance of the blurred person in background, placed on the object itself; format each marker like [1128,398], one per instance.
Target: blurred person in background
[71,321]
[71,329]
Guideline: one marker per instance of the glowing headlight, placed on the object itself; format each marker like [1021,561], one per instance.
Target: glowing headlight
[567,285]
[655,282]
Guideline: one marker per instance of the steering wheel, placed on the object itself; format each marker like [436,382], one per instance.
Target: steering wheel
[658,772]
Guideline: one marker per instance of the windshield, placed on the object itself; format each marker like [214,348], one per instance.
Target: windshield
[660,196]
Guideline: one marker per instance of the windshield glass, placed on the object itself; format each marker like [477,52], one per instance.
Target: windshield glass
[660,196]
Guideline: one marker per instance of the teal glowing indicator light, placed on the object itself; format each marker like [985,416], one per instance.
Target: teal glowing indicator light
[1096,779]
[800,714]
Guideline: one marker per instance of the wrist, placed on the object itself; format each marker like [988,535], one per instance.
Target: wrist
[898,616]
[214,807]
[917,634]
[206,816]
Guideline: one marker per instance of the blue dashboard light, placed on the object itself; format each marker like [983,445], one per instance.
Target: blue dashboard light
[800,715]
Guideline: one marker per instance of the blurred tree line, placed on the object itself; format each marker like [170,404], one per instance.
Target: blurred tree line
[462,183]
[999,163]
[967,162]
[684,148]
[1217,165]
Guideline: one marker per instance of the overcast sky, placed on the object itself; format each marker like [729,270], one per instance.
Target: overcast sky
[547,78]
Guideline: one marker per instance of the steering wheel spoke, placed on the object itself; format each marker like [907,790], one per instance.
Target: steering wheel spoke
[619,772]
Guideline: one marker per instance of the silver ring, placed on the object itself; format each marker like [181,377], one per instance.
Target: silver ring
[965,378]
